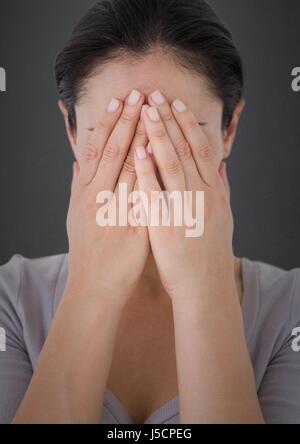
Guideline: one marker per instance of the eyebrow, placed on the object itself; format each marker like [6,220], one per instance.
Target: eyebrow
[200,123]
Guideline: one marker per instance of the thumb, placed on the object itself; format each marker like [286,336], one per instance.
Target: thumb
[224,176]
[76,170]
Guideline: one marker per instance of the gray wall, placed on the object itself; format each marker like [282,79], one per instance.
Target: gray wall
[35,160]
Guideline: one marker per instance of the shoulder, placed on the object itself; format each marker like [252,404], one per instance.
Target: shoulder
[273,319]
[21,274]
[281,288]
[272,304]
[27,296]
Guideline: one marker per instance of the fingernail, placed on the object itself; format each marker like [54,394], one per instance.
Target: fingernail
[153,114]
[113,105]
[141,153]
[179,106]
[158,98]
[134,97]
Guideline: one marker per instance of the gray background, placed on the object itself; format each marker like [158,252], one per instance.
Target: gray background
[35,159]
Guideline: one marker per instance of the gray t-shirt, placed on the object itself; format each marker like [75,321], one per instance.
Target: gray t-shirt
[30,290]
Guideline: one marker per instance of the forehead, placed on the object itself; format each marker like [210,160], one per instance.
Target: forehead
[148,74]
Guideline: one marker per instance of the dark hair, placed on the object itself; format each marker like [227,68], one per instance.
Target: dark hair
[188,30]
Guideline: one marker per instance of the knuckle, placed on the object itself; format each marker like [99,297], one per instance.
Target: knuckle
[159,133]
[91,151]
[205,151]
[140,130]
[167,116]
[146,173]
[126,118]
[173,167]
[191,123]
[183,150]
[110,152]
[129,166]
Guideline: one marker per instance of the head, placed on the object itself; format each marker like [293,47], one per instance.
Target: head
[179,47]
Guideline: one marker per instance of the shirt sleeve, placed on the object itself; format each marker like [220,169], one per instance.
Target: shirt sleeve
[15,366]
[279,393]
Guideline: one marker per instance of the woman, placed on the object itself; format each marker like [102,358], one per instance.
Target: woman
[140,323]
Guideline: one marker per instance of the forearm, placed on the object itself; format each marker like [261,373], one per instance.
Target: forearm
[215,375]
[71,375]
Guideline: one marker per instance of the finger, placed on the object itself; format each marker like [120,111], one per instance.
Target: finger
[164,153]
[75,173]
[147,182]
[128,173]
[150,152]
[181,145]
[145,171]
[203,153]
[138,213]
[90,154]
[76,189]
[76,170]
[119,142]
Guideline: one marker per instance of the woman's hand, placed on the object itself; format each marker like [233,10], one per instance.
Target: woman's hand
[107,260]
[104,264]
[187,162]
[198,274]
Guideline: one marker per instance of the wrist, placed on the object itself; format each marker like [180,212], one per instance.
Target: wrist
[85,293]
[207,296]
